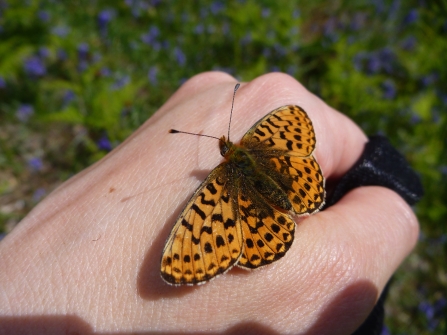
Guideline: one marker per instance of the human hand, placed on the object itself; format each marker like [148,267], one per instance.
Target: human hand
[87,258]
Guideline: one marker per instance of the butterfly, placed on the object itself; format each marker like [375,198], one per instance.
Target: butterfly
[242,213]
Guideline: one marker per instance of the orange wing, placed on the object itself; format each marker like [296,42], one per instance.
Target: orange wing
[282,143]
[267,232]
[206,239]
[287,129]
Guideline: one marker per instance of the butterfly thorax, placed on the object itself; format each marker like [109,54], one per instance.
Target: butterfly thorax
[237,155]
[243,161]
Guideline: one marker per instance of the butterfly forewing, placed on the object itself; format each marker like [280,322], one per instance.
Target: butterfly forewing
[206,239]
[287,128]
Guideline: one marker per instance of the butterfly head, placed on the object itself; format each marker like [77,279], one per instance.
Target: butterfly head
[226,147]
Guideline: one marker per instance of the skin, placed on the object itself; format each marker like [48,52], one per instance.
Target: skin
[87,258]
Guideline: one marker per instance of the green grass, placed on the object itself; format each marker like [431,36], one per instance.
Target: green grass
[75,83]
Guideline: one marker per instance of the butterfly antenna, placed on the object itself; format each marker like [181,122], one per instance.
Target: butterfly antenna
[232,105]
[174,131]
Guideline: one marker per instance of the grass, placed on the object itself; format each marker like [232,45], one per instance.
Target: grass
[76,82]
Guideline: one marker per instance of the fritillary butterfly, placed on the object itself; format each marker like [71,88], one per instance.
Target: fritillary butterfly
[241,214]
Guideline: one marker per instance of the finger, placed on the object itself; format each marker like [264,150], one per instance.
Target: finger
[371,227]
[349,252]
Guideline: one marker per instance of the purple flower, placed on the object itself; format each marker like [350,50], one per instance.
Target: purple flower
[43,15]
[216,7]
[265,12]
[96,57]
[137,6]
[104,143]
[151,36]
[374,65]
[2,82]
[120,83]
[179,56]
[104,17]
[211,28]
[358,21]
[60,31]
[389,89]
[429,79]
[279,49]
[433,312]
[82,66]
[385,331]
[246,39]
[427,309]
[358,60]
[34,66]
[61,54]
[291,69]
[203,12]
[35,164]
[441,303]
[266,52]
[83,49]
[39,194]
[380,7]
[411,17]
[68,97]
[145,38]
[387,58]
[105,72]
[415,119]
[24,112]
[330,27]
[83,53]
[381,60]
[44,52]
[394,7]
[152,75]
[199,29]
[409,43]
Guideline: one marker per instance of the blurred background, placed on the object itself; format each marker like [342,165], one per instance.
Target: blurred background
[78,77]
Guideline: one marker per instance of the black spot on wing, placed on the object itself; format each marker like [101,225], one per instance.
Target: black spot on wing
[220,242]
[186,224]
[196,209]
[211,188]
[208,248]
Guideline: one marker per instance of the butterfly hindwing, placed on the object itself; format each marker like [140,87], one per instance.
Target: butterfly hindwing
[267,232]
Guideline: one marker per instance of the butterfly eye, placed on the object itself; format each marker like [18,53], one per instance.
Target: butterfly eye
[223,146]
[224,149]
